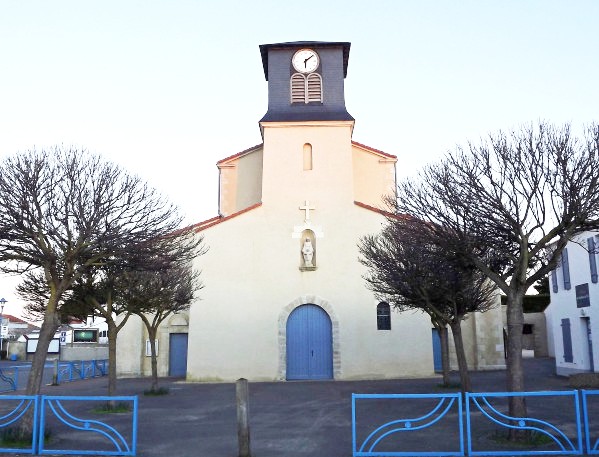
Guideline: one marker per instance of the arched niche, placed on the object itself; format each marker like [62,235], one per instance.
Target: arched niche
[307,238]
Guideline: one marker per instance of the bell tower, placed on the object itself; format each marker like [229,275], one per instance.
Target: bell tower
[307,148]
[305,81]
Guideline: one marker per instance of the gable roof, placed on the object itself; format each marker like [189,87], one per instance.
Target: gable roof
[382,211]
[203,225]
[218,219]
[17,320]
[373,150]
[239,154]
[14,319]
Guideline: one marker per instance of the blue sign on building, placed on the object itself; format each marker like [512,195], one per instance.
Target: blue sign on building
[582,295]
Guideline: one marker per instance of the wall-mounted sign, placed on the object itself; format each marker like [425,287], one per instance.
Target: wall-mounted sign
[88,335]
[582,296]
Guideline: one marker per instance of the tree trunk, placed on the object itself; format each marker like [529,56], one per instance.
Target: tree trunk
[152,336]
[34,382]
[456,330]
[515,372]
[112,335]
[48,330]
[444,355]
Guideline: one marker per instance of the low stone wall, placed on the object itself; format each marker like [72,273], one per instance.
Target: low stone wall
[68,353]
[83,351]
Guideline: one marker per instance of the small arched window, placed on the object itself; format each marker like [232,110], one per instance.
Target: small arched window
[307,156]
[383,316]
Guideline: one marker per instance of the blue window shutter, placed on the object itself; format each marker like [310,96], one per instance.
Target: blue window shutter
[592,259]
[567,339]
[566,269]
[554,282]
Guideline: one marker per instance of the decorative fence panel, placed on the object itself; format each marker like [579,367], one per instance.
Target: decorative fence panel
[432,424]
[9,379]
[590,407]
[552,425]
[14,409]
[403,424]
[69,425]
[80,369]
[76,420]
[14,377]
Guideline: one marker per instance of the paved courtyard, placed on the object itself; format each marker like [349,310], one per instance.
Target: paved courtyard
[291,419]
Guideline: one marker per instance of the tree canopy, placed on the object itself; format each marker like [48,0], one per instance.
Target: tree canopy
[411,267]
[514,200]
[65,211]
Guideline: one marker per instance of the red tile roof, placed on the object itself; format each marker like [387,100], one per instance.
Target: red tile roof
[217,220]
[376,151]
[381,211]
[12,318]
[239,154]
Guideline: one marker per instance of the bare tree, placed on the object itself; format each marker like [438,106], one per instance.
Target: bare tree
[112,290]
[64,211]
[154,295]
[514,201]
[412,267]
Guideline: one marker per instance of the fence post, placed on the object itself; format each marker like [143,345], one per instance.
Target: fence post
[55,375]
[243,413]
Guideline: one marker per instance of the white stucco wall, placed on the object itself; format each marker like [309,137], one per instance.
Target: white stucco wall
[234,329]
[252,271]
[564,306]
[253,277]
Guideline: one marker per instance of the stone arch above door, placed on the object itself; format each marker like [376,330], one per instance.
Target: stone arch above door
[179,320]
[284,315]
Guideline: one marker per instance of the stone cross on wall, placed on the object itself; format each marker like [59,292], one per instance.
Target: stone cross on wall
[307,209]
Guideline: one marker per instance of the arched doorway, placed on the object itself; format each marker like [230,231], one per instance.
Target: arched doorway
[309,344]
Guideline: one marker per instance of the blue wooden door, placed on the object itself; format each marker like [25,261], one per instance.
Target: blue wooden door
[309,344]
[437,362]
[178,354]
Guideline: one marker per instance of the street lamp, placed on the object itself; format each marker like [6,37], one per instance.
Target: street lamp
[2,303]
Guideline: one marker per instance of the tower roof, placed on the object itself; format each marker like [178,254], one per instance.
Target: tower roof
[264,48]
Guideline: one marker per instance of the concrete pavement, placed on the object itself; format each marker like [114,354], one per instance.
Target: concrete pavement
[291,419]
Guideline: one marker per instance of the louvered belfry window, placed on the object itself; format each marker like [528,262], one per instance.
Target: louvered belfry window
[314,88]
[306,89]
[298,88]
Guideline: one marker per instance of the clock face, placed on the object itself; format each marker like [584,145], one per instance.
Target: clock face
[305,60]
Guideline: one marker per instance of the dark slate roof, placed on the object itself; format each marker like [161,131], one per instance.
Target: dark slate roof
[287,116]
[264,48]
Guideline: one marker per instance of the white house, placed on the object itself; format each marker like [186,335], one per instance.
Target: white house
[284,294]
[573,315]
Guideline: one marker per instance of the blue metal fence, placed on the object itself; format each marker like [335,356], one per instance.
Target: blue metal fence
[70,425]
[14,377]
[389,435]
[590,408]
[555,428]
[81,369]
[13,409]
[433,424]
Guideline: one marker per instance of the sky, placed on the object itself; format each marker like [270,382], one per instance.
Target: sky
[167,88]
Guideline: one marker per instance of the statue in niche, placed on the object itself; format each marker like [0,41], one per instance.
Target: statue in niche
[308,253]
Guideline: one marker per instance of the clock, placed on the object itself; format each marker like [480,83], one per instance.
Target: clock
[305,60]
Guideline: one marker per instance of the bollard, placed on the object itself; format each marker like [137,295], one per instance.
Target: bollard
[55,375]
[243,413]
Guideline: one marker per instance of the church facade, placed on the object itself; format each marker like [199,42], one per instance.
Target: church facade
[284,294]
